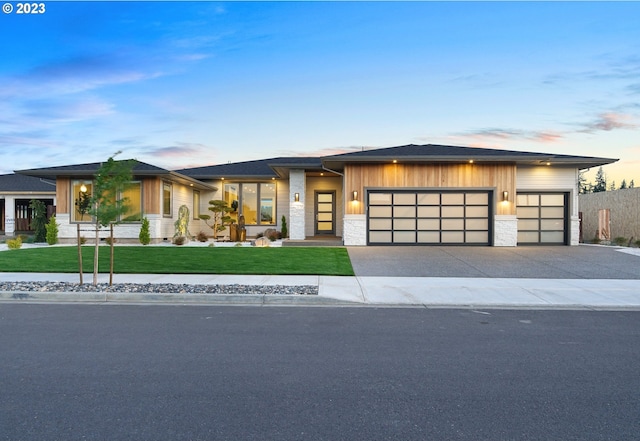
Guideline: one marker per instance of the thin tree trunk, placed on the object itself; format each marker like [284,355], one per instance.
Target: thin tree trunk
[95,256]
[79,254]
[111,257]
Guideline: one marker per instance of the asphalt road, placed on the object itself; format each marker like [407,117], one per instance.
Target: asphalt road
[115,372]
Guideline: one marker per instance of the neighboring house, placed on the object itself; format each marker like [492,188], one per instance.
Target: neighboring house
[407,195]
[610,214]
[155,193]
[16,193]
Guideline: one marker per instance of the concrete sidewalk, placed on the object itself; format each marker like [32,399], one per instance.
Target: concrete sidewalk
[435,292]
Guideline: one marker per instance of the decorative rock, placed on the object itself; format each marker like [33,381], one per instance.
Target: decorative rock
[261,242]
[157,288]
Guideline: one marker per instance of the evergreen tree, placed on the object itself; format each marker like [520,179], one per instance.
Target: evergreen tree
[631,184]
[39,210]
[583,185]
[612,186]
[601,182]
[623,184]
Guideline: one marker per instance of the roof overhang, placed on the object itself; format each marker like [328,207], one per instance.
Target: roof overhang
[579,162]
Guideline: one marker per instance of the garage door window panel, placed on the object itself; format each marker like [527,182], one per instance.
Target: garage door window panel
[403,211]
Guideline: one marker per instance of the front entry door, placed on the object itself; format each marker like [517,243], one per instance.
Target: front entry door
[325,208]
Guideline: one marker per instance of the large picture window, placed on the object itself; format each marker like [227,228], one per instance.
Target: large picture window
[133,196]
[255,201]
[81,192]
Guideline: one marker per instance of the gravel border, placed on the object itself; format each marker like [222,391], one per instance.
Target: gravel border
[157,288]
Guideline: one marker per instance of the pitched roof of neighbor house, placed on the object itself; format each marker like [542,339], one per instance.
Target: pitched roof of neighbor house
[447,153]
[258,169]
[140,169]
[13,183]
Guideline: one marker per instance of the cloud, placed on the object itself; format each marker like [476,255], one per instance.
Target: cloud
[513,134]
[177,151]
[608,122]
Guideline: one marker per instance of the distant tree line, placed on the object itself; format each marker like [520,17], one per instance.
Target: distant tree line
[601,183]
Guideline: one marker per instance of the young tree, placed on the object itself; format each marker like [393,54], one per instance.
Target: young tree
[107,205]
[632,184]
[601,181]
[612,187]
[623,184]
[39,221]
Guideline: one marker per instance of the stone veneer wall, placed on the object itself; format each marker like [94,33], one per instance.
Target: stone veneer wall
[355,229]
[505,231]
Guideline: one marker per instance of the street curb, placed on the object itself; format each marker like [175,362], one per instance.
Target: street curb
[212,299]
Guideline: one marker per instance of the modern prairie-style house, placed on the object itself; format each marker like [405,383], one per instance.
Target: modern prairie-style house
[417,195]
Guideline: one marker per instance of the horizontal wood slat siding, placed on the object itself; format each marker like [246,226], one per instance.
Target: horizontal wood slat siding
[151,195]
[501,177]
[62,195]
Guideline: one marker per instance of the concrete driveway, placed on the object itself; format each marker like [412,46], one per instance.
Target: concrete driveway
[534,262]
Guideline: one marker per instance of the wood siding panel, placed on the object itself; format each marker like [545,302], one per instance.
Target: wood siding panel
[151,196]
[63,192]
[500,177]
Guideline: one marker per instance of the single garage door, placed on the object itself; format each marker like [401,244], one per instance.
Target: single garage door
[428,217]
[542,218]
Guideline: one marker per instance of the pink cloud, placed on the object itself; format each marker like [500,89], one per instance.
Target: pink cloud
[610,121]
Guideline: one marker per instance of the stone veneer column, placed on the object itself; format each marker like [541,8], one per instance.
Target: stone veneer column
[505,231]
[355,229]
[9,215]
[574,229]
[296,209]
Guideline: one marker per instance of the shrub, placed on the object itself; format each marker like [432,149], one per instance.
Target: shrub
[144,236]
[179,240]
[83,240]
[107,240]
[14,244]
[202,237]
[283,228]
[620,241]
[238,244]
[52,231]
[637,242]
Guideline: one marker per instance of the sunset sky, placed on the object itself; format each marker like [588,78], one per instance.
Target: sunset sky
[180,84]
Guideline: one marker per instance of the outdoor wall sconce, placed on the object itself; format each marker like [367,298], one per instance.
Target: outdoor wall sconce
[355,195]
[83,188]
[296,197]
[505,196]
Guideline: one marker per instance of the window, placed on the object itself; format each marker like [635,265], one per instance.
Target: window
[196,204]
[255,201]
[167,191]
[250,203]
[133,196]
[81,192]
[232,197]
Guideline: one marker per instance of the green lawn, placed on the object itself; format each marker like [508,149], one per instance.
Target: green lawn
[184,260]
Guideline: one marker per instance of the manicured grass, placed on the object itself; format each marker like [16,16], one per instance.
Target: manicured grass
[183,260]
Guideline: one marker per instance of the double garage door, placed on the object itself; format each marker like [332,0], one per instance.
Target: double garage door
[454,217]
[426,217]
